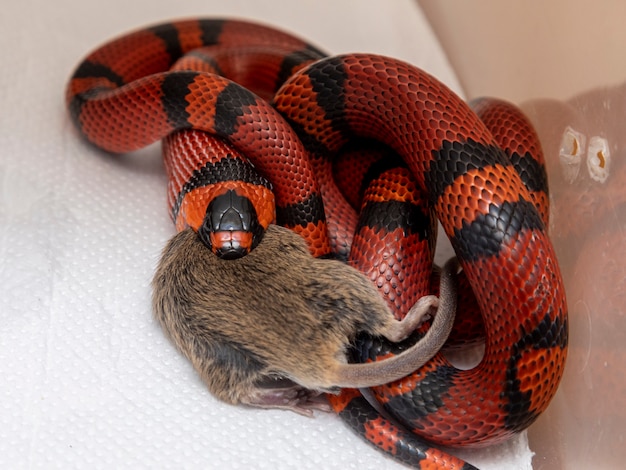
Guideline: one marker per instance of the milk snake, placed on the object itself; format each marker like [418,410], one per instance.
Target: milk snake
[482,177]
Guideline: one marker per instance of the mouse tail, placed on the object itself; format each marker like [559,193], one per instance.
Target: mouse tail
[371,374]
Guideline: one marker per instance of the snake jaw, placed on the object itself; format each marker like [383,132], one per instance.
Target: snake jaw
[231,244]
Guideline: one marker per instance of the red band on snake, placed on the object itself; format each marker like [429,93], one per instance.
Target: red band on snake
[486,187]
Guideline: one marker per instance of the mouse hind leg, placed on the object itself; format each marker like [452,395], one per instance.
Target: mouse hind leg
[422,310]
[442,307]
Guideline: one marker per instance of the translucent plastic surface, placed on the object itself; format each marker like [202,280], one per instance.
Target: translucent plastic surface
[585,147]
[569,51]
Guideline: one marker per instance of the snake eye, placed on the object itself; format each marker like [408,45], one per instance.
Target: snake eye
[230,227]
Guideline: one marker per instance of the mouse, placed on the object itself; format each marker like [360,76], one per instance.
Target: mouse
[273,329]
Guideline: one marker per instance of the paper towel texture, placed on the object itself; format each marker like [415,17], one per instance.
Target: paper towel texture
[89,379]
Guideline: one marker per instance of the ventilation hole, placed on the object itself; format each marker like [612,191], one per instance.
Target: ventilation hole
[598,159]
[572,146]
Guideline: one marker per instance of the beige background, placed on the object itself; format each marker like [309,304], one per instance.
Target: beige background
[526,49]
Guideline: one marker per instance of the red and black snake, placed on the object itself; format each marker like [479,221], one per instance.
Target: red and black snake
[486,187]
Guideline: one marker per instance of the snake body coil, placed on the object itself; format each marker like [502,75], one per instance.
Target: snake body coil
[481,172]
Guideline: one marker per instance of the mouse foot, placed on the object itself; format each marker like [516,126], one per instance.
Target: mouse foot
[429,306]
[421,311]
[295,398]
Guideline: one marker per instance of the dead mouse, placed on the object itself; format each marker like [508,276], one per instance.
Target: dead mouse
[272,329]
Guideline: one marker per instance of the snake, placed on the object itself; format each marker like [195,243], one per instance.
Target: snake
[258,157]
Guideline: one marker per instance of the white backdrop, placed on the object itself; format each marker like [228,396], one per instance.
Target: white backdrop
[88,378]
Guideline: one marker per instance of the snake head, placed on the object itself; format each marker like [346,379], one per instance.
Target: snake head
[231,228]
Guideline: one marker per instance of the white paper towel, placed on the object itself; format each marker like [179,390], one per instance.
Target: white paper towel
[89,380]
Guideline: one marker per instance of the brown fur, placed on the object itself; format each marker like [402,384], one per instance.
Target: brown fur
[272,328]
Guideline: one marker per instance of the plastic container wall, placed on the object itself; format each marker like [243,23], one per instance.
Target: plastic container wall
[585,425]
[562,62]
